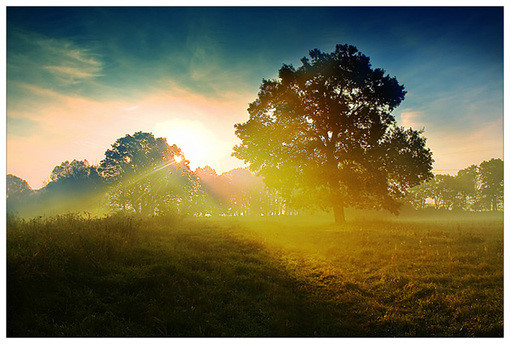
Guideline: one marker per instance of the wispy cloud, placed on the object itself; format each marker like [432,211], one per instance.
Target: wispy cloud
[72,74]
[50,62]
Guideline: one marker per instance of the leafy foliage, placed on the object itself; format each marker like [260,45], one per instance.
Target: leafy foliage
[324,134]
[75,175]
[148,176]
[136,153]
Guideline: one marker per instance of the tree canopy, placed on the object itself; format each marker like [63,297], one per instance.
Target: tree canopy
[16,187]
[324,134]
[147,175]
[136,153]
[77,174]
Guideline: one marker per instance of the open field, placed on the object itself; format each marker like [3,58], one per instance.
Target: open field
[282,276]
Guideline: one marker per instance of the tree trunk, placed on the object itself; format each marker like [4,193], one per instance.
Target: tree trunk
[338,210]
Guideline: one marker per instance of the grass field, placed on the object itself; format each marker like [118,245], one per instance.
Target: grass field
[282,276]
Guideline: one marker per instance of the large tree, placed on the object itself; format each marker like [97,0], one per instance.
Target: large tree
[324,134]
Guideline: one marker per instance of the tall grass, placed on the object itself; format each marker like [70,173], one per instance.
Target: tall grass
[282,276]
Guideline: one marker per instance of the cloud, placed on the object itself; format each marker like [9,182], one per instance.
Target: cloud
[68,74]
[411,119]
[50,62]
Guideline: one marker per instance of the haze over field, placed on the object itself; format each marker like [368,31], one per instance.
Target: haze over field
[271,172]
[79,78]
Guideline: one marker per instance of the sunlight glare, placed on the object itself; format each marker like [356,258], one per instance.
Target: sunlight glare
[199,145]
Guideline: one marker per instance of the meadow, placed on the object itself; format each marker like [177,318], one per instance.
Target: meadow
[255,276]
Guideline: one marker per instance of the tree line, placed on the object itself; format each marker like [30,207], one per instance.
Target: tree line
[141,174]
[475,188]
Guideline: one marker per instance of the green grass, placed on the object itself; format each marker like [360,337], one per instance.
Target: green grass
[284,276]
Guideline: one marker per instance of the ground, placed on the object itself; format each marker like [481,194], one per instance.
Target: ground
[278,276]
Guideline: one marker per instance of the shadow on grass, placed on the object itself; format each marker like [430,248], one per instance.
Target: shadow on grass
[122,276]
[74,277]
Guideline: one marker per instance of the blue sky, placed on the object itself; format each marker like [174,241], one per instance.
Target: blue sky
[78,78]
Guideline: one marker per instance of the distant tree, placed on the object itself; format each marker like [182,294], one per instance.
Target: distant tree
[418,195]
[245,191]
[472,188]
[466,186]
[324,134]
[19,195]
[75,176]
[73,187]
[445,192]
[213,197]
[236,192]
[148,176]
[17,187]
[491,184]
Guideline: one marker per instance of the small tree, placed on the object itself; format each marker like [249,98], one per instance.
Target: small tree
[324,134]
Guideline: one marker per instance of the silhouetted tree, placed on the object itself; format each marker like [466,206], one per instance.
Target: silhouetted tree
[75,176]
[445,192]
[136,153]
[324,134]
[491,184]
[466,187]
[473,188]
[19,195]
[73,186]
[148,176]
[17,187]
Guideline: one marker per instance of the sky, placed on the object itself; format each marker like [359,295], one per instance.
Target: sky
[80,78]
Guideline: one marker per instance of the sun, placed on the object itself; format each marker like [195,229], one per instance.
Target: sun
[177,158]
[199,145]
